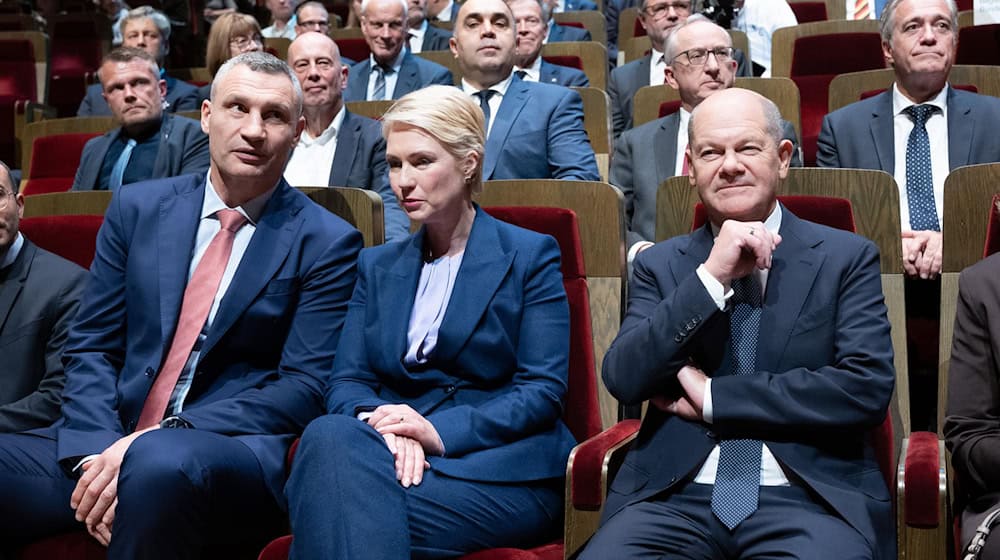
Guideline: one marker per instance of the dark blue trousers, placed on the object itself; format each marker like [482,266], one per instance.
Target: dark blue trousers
[788,524]
[179,491]
[345,502]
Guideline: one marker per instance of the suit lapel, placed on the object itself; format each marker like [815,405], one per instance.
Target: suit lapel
[510,107]
[176,231]
[666,136]
[409,78]
[357,82]
[269,246]
[347,146]
[396,287]
[961,129]
[161,167]
[794,266]
[882,132]
[484,266]
[11,286]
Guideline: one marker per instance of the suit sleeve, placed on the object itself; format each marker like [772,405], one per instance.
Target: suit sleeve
[623,178]
[826,145]
[86,108]
[570,153]
[579,79]
[534,396]
[618,120]
[789,134]
[195,157]
[41,408]
[853,391]
[85,161]
[188,102]
[972,426]
[294,396]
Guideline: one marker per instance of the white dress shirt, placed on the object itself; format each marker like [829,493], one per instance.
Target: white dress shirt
[937,133]
[771,473]
[445,13]
[416,42]
[494,102]
[312,158]
[657,68]
[759,19]
[390,77]
[533,73]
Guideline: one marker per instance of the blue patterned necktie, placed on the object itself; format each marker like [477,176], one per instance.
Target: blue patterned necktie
[118,171]
[737,480]
[378,94]
[919,182]
[484,96]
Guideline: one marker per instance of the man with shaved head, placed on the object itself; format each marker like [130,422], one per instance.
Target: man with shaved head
[761,342]
[337,148]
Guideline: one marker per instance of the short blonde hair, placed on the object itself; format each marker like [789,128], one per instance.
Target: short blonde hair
[225,29]
[450,116]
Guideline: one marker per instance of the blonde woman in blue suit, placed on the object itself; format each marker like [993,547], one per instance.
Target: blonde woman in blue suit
[444,434]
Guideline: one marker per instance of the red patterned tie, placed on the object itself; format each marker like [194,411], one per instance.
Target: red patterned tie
[862,9]
[198,297]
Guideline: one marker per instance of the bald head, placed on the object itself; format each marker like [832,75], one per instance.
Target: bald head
[315,59]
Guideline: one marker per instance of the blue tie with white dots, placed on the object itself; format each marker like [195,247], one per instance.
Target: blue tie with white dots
[737,480]
[919,182]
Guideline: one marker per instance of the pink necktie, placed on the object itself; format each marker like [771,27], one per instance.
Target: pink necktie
[198,297]
[862,9]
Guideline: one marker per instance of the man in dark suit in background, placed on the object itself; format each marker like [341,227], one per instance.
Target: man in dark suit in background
[762,343]
[649,154]
[148,143]
[958,127]
[337,147]
[423,35]
[203,343]
[442,10]
[147,29]
[530,17]
[390,72]
[533,130]
[659,18]
[39,293]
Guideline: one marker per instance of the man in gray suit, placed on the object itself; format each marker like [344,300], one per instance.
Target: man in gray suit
[659,18]
[701,64]
[337,147]
[423,35]
[39,293]
[390,72]
[530,17]
[148,143]
[919,40]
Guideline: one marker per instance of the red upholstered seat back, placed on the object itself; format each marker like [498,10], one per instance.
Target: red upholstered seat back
[565,60]
[17,69]
[992,244]
[979,44]
[72,237]
[581,413]
[638,29]
[354,48]
[669,108]
[806,12]
[874,92]
[55,174]
[835,213]
[816,60]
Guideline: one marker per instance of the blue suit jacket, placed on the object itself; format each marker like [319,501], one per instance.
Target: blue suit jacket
[562,33]
[268,353]
[538,134]
[824,370]
[495,384]
[861,135]
[562,76]
[183,149]
[359,162]
[415,73]
[181,96]
[435,39]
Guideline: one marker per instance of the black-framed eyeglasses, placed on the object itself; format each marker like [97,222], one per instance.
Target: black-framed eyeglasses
[660,10]
[698,57]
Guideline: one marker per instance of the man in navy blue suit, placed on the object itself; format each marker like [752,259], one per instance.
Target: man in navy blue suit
[423,35]
[161,466]
[919,41]
[762,343]
[390,71]
[147,29]
[530,17]
[336,147]
[533,130]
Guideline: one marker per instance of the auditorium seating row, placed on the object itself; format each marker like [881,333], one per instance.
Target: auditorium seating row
[587,218]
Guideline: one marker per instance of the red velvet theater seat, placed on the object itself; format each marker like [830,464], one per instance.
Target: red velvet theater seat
[48,174]
[979,44]
[581,412]
[806,12]
[71,237]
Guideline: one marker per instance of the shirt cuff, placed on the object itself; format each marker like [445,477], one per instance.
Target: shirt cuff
[706,406]
[714,288]
[636,247]
[85,460]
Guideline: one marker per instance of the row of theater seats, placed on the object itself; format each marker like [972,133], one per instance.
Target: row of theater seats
[587,218]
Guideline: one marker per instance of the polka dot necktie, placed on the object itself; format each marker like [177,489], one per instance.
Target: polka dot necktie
[919,183]
[737,480]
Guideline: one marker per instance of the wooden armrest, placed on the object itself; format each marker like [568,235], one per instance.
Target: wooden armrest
[922,498]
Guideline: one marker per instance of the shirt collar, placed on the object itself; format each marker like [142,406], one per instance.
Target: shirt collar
[252,208]
[499,87]
[535,70]
[396,64]
[655,57]
[445,13]
[418,32]
[900,102]
[329,133]
[12,252]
